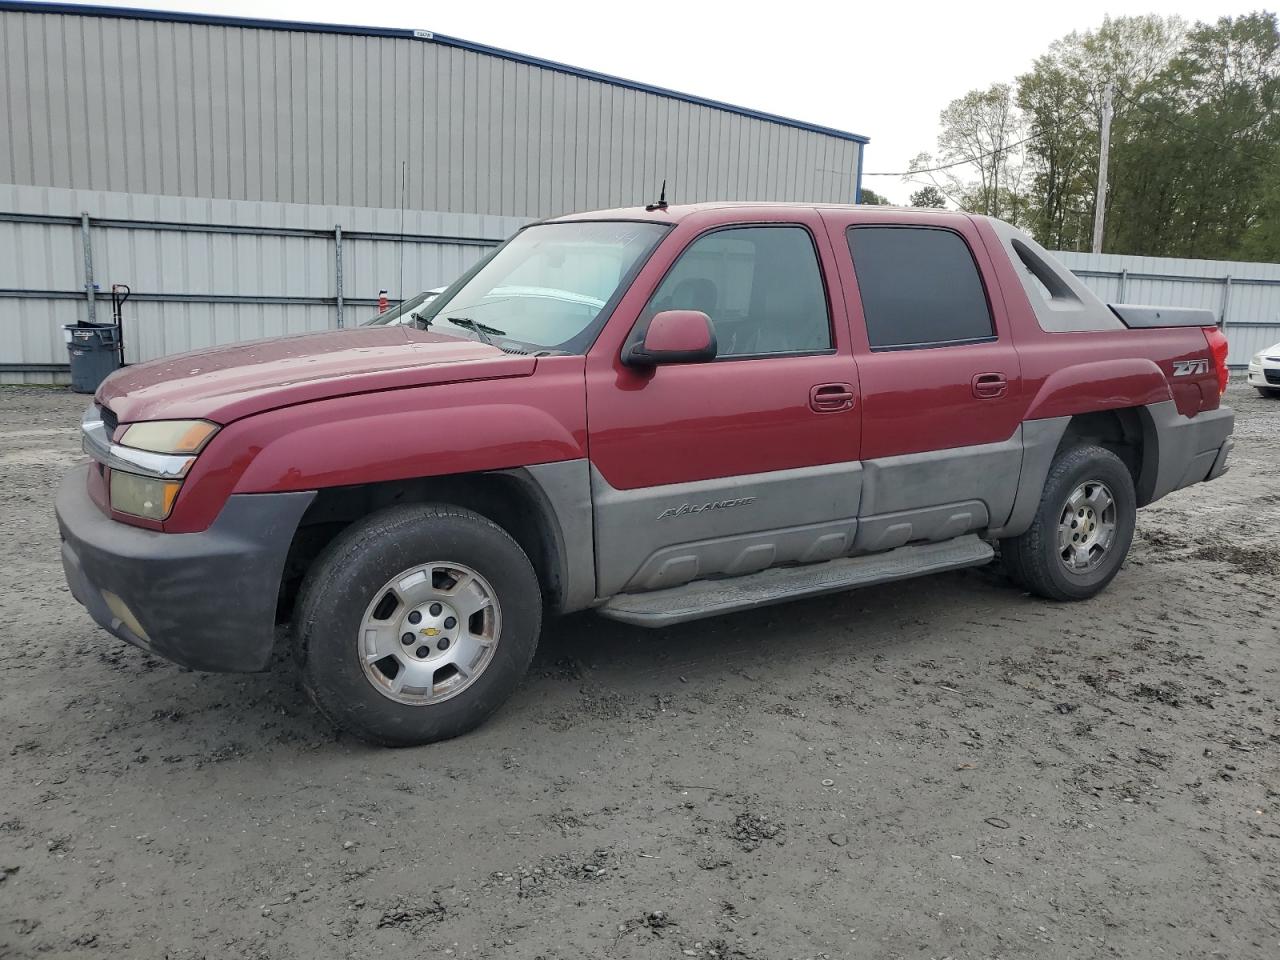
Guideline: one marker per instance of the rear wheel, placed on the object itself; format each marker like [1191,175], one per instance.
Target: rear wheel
[417,623]
[1082,529]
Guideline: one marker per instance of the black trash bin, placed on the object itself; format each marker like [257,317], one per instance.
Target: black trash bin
[95,353]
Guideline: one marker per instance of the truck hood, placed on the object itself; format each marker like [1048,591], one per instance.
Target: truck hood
[223,384]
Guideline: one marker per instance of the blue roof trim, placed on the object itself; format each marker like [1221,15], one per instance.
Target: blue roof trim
[177,16]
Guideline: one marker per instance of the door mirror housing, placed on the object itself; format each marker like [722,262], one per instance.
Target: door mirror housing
[674,336]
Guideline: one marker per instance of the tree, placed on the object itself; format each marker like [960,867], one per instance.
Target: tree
[871,197]
[1061,98]
[928,196]
[1196,158]
[983,132]
[1194,169]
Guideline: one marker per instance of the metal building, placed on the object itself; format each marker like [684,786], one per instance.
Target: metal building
[213,164]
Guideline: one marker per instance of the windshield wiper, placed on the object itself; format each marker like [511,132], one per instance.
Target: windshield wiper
[483,330]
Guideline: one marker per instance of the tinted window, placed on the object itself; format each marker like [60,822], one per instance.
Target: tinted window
[918,286]
[761,287]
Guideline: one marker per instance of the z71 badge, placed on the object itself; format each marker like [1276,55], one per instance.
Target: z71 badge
[1189,368]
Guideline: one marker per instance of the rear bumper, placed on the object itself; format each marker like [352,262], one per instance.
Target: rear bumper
[1191,449]
[204,600]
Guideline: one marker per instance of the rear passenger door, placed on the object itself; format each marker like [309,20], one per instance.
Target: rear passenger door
[940,379]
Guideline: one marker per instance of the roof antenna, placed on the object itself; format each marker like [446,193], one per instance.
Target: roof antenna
[662,199]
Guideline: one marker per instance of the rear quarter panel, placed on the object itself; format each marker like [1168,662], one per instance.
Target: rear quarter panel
[1091,370]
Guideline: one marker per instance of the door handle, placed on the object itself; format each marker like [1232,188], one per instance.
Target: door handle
[990,386]
[831,397]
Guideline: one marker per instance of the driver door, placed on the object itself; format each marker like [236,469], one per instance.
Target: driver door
[734,465]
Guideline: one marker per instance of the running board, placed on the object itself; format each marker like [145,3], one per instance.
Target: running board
[710,598]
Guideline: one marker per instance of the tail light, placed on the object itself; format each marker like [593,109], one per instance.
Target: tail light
[1218,347]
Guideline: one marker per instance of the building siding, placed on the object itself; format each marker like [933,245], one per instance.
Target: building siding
[179,275]
[163,107]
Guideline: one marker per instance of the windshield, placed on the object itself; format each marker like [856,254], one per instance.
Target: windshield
[547,286]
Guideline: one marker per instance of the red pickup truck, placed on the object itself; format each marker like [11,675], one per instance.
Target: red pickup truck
[660,414]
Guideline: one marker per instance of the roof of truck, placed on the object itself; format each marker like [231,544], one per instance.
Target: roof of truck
[676,212]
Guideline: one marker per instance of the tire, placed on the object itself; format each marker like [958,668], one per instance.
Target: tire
[418,554]
[1035,558]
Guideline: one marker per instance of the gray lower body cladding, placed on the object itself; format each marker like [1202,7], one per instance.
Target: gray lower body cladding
[1189,449]
[655,538]
[204,600]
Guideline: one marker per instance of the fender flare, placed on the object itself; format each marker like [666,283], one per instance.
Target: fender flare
[1097,386]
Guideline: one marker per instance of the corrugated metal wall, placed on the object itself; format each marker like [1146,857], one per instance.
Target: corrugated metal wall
[161,107]
[206,272]
[1246,296]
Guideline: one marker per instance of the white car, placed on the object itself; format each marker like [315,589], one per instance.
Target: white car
[1264,371]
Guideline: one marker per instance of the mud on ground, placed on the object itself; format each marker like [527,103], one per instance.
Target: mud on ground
[945,767]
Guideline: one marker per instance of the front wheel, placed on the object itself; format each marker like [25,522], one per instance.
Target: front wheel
[416,623]
[1082,529]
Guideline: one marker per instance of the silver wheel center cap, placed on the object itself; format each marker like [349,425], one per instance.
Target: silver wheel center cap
[427,635]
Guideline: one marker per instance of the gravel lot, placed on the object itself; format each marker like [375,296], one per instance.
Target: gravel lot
[945,767]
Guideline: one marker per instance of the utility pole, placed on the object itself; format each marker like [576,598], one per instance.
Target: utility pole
[1104,148]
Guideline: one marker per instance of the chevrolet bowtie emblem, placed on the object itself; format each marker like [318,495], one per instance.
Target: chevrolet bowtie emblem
[429,631]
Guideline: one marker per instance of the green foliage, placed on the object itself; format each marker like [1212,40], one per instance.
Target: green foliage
[1195,155]
[873,198]
[1195,142]
[928,196]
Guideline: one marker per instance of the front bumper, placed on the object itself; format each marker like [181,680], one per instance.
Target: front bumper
[204,600]
[1265,375]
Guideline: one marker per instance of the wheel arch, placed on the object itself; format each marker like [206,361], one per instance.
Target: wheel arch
[528,503]
[1129,433]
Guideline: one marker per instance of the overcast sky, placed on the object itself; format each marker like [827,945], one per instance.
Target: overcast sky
[883,70]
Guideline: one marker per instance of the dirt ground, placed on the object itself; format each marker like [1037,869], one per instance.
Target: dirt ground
[939,768]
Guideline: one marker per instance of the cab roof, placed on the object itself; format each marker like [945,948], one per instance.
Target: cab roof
[680,211]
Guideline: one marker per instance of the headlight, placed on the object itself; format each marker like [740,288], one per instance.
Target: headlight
[169,436]
[150,461]
[147,497]
[1257,358]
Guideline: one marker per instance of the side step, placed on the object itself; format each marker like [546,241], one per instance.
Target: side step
[710,598]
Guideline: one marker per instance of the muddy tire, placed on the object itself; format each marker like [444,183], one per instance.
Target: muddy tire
[1082,530]
[416,624]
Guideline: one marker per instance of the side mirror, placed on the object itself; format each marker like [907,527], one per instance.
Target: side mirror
[674,336]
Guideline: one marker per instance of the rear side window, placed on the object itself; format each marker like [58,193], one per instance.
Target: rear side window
[920,288]
[761,287]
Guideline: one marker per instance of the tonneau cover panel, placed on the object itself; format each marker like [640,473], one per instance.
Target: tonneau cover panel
[1141,317]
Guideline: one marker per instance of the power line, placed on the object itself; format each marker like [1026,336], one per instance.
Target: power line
[958,163]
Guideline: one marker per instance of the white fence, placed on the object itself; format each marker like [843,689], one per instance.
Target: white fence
[206,272]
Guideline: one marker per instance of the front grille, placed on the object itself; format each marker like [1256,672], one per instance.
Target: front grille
[1273,376]
[109,420]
